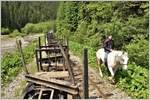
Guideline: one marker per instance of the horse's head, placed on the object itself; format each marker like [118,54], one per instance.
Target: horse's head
[124,60]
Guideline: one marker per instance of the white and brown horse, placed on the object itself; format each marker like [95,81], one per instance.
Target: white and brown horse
[115,59]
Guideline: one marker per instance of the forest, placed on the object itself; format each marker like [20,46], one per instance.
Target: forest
[87,24]
[16,14]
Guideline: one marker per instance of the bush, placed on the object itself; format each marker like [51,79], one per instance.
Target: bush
[134,81]
[5,31]
[28,28]
[16,33]
[138,52]
[81,32]
[39,27]
[10,66]
[11,63]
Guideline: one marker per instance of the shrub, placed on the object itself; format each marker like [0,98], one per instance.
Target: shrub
[10,66]
[39,27]
[16,33]
[28,28]
[138,52]
[81,32]
[11,63]
[5,31]
[134,81]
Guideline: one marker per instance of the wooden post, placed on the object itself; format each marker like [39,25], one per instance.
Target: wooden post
[40,52]
[67,45]
[85,74]
[45,38]
[39,42]
[37,58]
[69,97]
[22,56]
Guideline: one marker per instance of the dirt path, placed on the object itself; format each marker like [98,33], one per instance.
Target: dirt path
[104,85]
[9,44]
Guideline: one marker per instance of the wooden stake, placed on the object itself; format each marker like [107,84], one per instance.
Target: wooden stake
[22,56]
[85,75]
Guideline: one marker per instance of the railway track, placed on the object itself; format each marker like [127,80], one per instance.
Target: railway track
[59,76]
[54,79]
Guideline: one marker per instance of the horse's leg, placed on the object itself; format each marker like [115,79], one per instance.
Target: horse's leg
[115,69]
[99,66]
[112,74]
[111,71]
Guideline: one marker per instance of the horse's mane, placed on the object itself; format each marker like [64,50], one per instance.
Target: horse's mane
[119,52]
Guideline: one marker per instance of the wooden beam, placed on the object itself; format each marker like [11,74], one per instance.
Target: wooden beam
[57,74]
[55,84]
[68,64]
[69,97]
[53,45]
[37,62]
[22,55]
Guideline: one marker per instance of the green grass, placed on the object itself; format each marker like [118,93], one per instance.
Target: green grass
[18,91]
[32,68]
[11,63]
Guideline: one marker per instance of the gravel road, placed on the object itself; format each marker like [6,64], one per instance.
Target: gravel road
[9,44]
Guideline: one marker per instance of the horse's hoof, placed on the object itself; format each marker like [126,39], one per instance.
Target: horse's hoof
[113,82]
[110,78]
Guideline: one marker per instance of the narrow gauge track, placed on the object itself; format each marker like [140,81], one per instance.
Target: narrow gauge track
[59,77]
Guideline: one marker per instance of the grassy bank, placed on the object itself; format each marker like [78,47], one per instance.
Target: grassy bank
[11,63]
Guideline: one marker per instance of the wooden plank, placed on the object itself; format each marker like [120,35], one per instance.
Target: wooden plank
[53,64]
[42,89]
[68,64]
[50,59]
[49,49]
[58,74]
[55,84]
[52,94]
[53,45]
[69,97]
[40,94]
